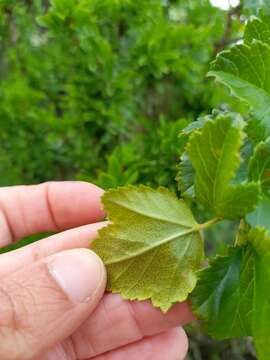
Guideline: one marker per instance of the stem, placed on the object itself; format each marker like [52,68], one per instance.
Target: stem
[142,251]
[226,39]
[208,224]
[241,236]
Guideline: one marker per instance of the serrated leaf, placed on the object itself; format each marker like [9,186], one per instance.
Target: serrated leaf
[232,294]
[186,177]
[259,171]
[244,69]
[246,152]
[153,247]
[258,29]
[256,130]
[259,166]
[222,295]
[214,153]
[185,172]
[194,125]
[261,298]
[260,216]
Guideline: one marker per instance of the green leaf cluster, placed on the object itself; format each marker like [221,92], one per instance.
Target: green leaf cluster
[232,293]
[244,70]
[154,247]
[100,90]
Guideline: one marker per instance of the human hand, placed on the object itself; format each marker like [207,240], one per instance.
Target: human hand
[52,302]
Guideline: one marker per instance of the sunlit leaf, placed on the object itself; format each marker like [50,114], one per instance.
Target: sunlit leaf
[153,247]
[215,155]
[259,166]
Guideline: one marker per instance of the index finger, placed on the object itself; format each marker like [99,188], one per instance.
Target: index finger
[51,206]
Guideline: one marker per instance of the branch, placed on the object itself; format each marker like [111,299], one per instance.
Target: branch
[226,39]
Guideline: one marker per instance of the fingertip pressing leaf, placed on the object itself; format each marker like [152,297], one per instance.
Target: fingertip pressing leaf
[153,247]
[215,155]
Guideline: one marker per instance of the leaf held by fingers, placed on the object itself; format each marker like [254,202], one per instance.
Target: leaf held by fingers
[153,247]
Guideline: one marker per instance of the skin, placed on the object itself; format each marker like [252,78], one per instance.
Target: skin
[38,320]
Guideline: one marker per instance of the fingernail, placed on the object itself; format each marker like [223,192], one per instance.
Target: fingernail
[78,272]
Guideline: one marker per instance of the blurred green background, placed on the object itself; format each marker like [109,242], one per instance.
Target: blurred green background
[98,90]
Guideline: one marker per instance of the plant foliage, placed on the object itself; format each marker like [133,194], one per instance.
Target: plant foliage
[153,248]
[99,90]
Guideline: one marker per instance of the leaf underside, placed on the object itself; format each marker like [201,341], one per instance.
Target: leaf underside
[153,247]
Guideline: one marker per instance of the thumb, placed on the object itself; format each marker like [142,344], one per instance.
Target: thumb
[43,303]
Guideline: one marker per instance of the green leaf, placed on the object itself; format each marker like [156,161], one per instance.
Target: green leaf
[194,125]
[259,166]
[232,295]
[223,294]
[258,29]
[185,177]
[153,247]
[215,155]
[186,174]
[201,121]
[260,216]
[246,152]
[261,298]
[254,6]
[259,171]
[244,69]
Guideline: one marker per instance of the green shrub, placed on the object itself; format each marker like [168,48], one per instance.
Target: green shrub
[99,90]
[95,89]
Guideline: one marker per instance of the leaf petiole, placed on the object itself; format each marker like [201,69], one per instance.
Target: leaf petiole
[208,224]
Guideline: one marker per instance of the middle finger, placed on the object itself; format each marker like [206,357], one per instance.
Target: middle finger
[116,322]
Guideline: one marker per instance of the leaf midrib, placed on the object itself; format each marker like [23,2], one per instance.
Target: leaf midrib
[220,160]
[155,245]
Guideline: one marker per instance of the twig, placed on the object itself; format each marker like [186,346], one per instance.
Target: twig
[226,39]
